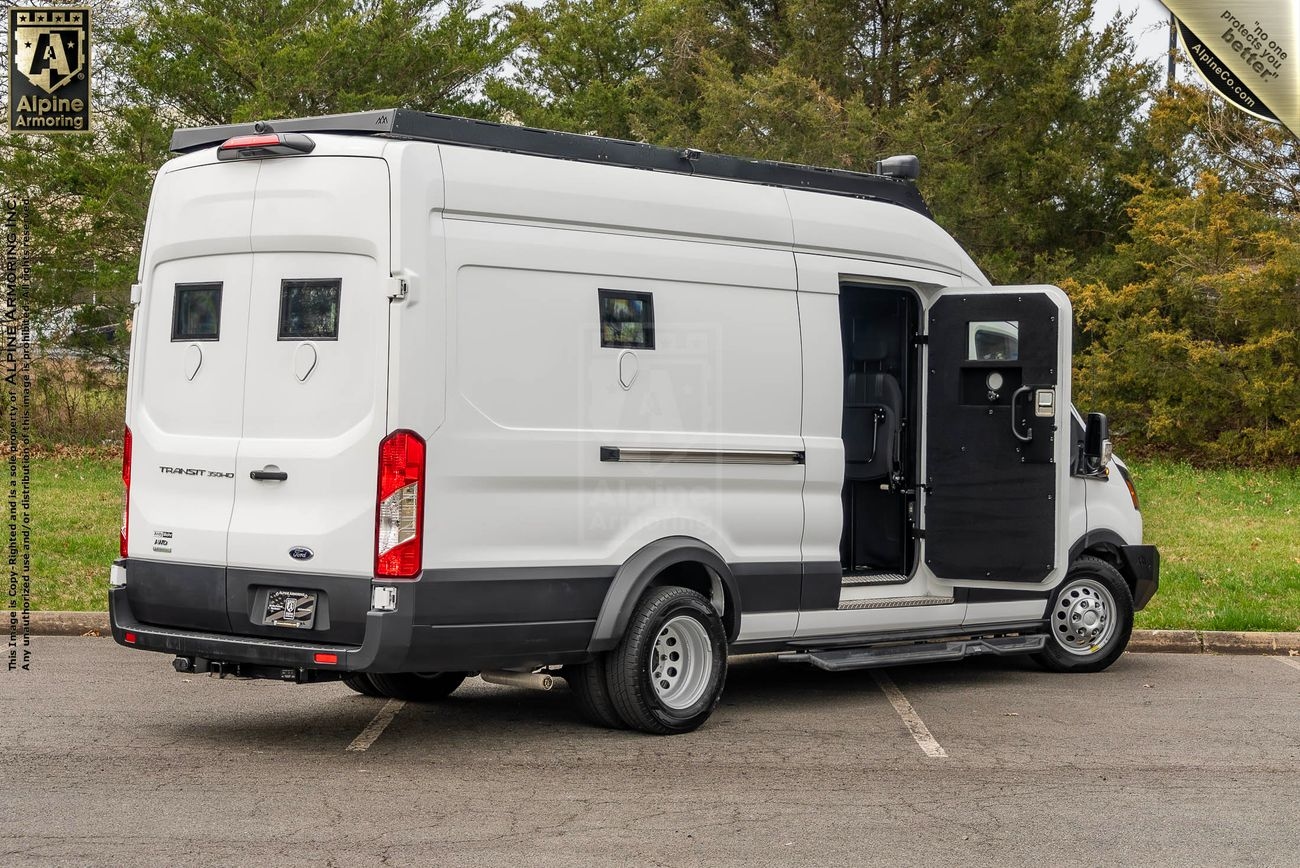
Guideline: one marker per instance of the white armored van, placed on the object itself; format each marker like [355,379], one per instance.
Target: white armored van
[414,397]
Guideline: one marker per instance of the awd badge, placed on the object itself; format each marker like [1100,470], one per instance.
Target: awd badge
[49,70]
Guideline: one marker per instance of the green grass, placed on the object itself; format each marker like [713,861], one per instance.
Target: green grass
[1229,547]
[1229,541]
[76,513]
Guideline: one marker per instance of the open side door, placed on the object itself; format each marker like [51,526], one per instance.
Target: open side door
[996,443]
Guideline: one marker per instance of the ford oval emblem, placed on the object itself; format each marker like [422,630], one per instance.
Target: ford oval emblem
[301,553]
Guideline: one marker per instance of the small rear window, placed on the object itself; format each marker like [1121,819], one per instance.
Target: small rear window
[309,309]
[196,312]
[627,319]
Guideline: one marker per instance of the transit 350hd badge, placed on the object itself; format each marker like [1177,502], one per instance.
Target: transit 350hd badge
[49,70]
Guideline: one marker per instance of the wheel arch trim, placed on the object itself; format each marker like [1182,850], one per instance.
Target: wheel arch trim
[640,570]
[1138,564]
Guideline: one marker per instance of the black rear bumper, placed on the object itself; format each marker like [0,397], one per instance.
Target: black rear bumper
[471,636]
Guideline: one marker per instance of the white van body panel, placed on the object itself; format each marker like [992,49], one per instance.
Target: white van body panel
[521,188]
[879,231]
[534,396]
[180,422]
[1110,506]
[417,327]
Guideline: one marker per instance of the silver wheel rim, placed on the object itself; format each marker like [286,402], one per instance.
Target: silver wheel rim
[1083,619]
[681,662]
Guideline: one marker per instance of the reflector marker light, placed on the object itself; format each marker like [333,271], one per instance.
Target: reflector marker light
[330,659]
[129,638]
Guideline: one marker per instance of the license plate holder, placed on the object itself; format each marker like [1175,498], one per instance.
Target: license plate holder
[295,610]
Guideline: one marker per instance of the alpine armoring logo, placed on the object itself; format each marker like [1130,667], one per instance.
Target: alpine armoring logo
[49,70]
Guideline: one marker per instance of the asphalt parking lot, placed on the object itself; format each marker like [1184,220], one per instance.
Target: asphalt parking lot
[111,757]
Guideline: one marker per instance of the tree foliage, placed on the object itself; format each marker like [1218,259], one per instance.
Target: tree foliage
[217,61]
[1170,218]
[1024,118]
[1193,341]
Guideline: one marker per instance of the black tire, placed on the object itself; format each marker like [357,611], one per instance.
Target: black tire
[591,693]
[360,682]
[1072,645]
[417,686]
[629,669]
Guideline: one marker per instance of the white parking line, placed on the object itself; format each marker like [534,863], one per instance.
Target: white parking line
[377,725]
[915,725]
[1293,662]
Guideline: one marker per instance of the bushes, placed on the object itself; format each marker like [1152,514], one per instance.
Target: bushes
[76,403]
[1191,341]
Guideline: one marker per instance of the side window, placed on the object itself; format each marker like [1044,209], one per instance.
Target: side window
[994,341]
[309,309]
[196,312]
[627,319]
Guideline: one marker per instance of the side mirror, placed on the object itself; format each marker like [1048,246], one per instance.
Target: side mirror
[1096,445]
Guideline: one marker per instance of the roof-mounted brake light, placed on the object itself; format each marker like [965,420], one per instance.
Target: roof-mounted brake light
[265,145]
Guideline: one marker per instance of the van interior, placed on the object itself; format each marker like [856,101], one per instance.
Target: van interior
[878,328]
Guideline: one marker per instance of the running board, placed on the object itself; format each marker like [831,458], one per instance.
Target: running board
[851,580]
[841,659]
[893,602]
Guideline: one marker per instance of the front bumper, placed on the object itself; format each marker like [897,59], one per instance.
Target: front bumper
[1142,566]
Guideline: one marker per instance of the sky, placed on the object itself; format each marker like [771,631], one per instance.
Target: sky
[1150,28]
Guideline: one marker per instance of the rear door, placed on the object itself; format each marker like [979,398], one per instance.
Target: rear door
[314,403]
[996,450]
[314,394]
[185,411]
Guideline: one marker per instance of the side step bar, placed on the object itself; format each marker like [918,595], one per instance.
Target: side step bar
[841,659]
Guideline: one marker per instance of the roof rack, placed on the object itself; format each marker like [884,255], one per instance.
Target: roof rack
[451,130]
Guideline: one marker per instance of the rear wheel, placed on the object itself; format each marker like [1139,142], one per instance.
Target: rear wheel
[417,686]
[1090,619]
[591,693]
[667,673]
[360,682]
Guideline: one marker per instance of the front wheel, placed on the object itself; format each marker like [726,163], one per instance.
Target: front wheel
[1090,619]
[666,675]
[417,686]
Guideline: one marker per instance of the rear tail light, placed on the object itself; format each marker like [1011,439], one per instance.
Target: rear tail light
[399,511]
[265,145]
[126,489]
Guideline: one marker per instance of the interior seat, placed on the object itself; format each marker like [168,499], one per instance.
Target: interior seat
[873,407]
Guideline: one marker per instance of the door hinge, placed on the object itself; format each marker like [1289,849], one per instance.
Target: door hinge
[920,340]
[136,292]
[396,288]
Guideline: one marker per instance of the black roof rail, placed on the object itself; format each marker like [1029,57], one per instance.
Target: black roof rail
[451,130]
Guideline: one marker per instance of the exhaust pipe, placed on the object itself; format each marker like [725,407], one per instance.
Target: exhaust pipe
[532,680]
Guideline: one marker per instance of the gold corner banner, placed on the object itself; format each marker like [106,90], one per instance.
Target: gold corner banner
[1248,51]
